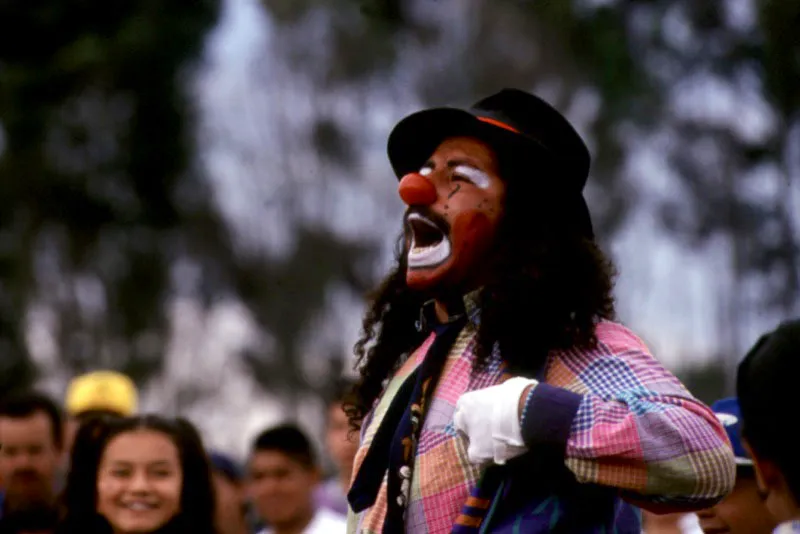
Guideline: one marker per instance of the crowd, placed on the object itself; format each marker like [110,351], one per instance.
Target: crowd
[103,468]
[99,466]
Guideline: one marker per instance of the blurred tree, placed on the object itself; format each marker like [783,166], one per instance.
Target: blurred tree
[706,382]
[284,295]
[104,214]
[98,196]
[733,151]
[453,54]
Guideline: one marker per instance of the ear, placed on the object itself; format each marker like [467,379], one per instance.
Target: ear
[316,474]
[768,476]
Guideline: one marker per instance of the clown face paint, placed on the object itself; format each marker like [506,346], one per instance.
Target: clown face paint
[455,202]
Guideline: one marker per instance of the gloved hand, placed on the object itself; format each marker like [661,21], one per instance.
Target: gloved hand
[490,419]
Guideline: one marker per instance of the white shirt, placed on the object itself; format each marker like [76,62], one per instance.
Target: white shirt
[689,524]
[685,524]
[323,522]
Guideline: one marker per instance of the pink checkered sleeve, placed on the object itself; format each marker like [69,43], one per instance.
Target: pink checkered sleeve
[624,421]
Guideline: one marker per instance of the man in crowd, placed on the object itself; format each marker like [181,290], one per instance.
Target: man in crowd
[496,391]
[767,390]
[98,393]
[31,442]
[342,444]
[229,491]
[742,511]
[283,474]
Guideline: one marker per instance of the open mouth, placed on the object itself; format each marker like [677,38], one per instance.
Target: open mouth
[429,245]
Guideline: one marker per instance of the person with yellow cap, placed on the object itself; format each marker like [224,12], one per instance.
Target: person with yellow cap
[98,393]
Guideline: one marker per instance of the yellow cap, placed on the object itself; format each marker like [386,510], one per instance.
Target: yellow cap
[102,390]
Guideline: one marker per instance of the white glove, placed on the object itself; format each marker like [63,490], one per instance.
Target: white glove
[491,421]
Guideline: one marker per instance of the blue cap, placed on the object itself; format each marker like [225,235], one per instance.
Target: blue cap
[729,414]
[225,465]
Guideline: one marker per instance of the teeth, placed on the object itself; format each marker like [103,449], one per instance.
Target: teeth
[138,506]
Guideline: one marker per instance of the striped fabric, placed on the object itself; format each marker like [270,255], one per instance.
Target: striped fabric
[442,474]
[637,430]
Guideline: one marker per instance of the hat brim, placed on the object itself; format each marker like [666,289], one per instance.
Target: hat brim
[414,139]
[417,136]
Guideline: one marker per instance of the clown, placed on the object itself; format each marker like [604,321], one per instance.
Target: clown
[496,392]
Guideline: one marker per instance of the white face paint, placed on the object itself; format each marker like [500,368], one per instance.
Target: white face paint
[426,170]
[476,176]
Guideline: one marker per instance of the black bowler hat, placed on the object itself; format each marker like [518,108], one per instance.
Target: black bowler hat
[513,122]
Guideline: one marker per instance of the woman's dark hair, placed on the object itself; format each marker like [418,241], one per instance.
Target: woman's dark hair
[547,288]
[80,495]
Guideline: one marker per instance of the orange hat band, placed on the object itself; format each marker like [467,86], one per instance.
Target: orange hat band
[498,123]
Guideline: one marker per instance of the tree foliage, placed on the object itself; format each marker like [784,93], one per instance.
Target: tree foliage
[706,382]
[737,178]
[103,204]
[97,191]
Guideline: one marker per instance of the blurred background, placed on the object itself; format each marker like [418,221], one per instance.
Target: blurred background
[197,193]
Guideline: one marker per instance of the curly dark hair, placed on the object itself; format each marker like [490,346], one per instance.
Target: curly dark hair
[548,287]
[80,495]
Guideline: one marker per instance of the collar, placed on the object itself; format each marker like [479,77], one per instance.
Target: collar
[457,308]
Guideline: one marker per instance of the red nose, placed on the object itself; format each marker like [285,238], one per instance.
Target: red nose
[416,190]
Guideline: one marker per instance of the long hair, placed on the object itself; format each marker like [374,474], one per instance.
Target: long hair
[547,288]
[80,495]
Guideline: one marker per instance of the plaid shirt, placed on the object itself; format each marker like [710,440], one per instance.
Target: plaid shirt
[624,425]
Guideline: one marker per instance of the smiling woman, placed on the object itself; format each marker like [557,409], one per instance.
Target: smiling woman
[141,474]
[139,481]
